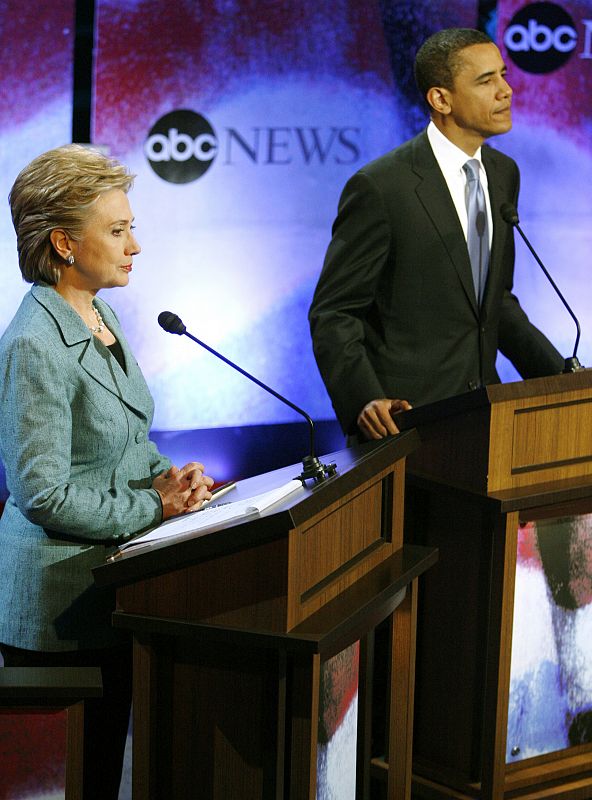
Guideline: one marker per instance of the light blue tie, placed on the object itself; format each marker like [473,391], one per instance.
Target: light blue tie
[477,229]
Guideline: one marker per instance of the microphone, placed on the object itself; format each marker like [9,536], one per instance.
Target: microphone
[312,467]
[510,215]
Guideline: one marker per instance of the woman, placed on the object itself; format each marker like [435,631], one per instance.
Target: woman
[75,413]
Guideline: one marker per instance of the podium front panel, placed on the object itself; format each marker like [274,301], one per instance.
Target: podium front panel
[536,440]
[550,703]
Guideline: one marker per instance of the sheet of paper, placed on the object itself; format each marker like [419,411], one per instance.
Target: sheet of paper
[213,516]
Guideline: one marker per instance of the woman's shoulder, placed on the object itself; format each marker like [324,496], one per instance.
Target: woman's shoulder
[31,322]
[23,318]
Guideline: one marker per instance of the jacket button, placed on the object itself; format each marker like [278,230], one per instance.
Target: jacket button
[139,437]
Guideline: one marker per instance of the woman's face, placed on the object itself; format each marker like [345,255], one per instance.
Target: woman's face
[103,256]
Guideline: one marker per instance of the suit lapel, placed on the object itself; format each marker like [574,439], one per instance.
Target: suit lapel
[433,194]
[497,193]
[131,384]
[94,357]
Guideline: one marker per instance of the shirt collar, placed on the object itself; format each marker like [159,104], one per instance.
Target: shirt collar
[450,158]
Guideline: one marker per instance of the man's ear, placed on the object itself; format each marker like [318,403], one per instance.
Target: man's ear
[439,99]
[61,242]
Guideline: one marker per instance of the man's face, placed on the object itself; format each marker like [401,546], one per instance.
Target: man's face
[479,104]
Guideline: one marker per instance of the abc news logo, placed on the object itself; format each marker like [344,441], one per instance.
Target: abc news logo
[541,37]
[182,146]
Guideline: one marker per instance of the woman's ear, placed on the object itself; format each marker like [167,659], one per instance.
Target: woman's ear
[61,243]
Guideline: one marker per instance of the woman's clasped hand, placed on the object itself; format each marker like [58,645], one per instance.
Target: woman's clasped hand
[183,489]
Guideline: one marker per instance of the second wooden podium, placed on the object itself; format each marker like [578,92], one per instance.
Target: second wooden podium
[502,485]
[233,631]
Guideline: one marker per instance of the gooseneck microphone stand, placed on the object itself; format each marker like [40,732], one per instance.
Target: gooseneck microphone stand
[312,466]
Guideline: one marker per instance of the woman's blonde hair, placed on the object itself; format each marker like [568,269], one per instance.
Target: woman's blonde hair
[57,190]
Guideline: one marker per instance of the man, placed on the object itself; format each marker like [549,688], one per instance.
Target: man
[414,299]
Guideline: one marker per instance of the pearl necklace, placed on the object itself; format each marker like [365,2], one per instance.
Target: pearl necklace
[100,327]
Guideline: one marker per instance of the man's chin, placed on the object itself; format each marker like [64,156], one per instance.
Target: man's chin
[497,130]
[503,122]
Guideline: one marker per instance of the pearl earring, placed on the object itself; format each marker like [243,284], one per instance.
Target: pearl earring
[70,260]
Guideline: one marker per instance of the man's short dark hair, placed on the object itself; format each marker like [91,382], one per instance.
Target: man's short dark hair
[438,59]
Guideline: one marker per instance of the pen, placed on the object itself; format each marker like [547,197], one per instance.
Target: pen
[219,492]
[216,494]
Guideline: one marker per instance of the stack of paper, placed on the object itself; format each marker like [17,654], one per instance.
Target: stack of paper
[212,517]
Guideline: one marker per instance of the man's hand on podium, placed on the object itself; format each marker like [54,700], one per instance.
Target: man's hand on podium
[376,418]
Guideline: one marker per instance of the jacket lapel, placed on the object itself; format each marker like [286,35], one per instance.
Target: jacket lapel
[131,384]
[497,193]
[94,357]
[433,194]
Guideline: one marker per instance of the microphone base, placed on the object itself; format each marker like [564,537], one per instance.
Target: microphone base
[572,365]
[314,469]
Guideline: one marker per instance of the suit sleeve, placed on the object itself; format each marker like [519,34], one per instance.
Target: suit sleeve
[525,345]
[36,423]
[158,462]
[345,295]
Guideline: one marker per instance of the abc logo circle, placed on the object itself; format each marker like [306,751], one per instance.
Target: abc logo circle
[540,37]
[181,146]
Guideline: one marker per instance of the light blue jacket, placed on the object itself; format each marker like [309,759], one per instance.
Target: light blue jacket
[79,466]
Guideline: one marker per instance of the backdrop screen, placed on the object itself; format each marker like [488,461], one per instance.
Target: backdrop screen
[36,46]
[551,142]
[243,125]
[242,121]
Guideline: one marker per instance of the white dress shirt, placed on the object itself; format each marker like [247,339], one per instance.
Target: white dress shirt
[450,159]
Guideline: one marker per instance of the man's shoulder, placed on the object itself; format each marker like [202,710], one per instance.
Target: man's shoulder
[399,156]
[392,168]
[494,156]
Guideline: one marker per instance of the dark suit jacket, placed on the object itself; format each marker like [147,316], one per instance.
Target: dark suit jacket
[394,312]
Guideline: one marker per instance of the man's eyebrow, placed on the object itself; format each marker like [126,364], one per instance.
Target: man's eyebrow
[491,72]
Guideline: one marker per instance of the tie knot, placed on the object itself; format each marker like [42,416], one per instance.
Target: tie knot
[471,168]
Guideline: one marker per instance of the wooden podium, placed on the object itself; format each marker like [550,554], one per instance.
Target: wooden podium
[231,631]
[489,461]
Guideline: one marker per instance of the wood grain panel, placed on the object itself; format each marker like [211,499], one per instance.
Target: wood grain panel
[534,440]
[340,539]
[245,588]
[551,436]
[336,548]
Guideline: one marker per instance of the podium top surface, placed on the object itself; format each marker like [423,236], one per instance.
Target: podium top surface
[490,395]
[507,437]
[355,466]
[48,685]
